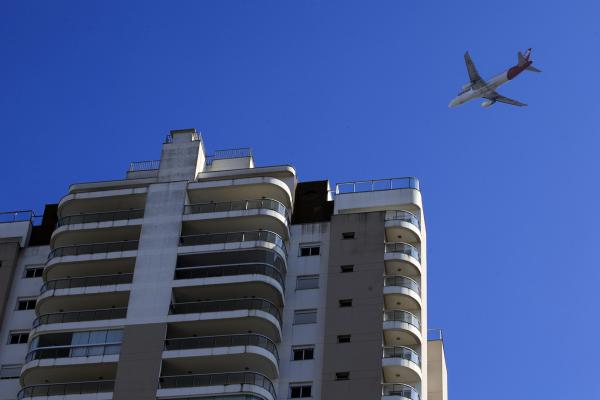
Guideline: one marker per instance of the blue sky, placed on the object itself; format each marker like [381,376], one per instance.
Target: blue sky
[352,90]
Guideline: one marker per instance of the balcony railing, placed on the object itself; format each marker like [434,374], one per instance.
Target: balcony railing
[402,316]
[204,342]
[226,305]
[223,379]
[230,270]
[120,215]
[234,237]
[229,153]
[80,316]
[402,215]
[65,389]
[17,216]
[401,390]
[376,185]
[402,352]
[144,165]
[87,281]
[402,281]
[89,350]
[403,248]
[256,204]
[93,248]
[435,334]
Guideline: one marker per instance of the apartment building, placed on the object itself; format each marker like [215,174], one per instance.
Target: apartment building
[207,277]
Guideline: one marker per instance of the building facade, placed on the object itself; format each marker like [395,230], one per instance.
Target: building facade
[207,277]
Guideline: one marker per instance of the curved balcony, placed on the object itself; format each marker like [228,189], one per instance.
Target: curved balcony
[106,216]
[90,253]
[399,391]
[233,240]
[401,363]
[259,279]
[401,327]
[210,384]
[101,389]
[401,292]
[402,258]
[78,319]
[87,281]
[257,352]
[88,350]
[403,225]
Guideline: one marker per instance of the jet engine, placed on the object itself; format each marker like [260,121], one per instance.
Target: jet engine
[487,103]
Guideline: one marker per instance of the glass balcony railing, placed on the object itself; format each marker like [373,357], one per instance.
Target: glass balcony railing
[80,316]
[377,185]
[204,342]
[73,351]
[223,379]
[402,316]
[404,248]
[119,215]
[402,281]
[402,215]
[65,389]
[230,270]
[226,305]
[401,390]
[233,237]
[92,248]
[402,352]
[87,281]
[256,204]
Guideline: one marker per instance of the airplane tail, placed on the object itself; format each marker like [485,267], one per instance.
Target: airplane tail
[525,59]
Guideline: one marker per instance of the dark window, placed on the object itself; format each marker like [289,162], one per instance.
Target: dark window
[307,282]
[25,304]
[309,250]
[305,317]
[303,353]
[343,338]
[345,303]
[299,391]
[348,235]
[342,376]
[34,271]
[18,337]
[346,268]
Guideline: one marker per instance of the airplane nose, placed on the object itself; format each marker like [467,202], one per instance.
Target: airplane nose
[453,103]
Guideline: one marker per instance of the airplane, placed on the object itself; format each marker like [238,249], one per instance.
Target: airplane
[477,87]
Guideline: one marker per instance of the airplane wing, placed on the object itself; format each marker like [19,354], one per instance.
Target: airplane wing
[473,74]
[497,97]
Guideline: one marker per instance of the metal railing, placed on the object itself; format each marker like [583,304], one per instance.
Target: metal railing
[64,389]
[118,215]
[239,205]
[87,350]
[225,305]
[374,185]
[204,342]
[222,379]
[87,281]
[91,248]
[402,281]
[17,216]
[233,237]
[402,215]
[404,248]
[401,390]
[402,316]
[229,153]
[144,165]
[435,334]
[402,352]
[230,270]
[80,316]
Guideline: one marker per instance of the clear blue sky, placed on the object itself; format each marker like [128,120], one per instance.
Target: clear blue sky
[351,90]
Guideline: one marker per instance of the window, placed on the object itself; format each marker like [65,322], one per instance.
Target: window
[309,250]
[305,317]
[10,371]
[343,338]
[34,271]
[303,353]
[300,390]
[346,268]
[342,376]
[348,235]
[25,304]
[345,303]
[18,337]
[304,282]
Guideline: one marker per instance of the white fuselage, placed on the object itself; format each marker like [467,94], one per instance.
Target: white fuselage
[470,93]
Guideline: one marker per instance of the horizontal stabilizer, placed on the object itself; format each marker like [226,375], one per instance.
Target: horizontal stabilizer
[532,69]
